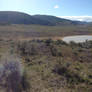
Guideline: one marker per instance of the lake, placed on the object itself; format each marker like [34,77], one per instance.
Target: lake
[77,38]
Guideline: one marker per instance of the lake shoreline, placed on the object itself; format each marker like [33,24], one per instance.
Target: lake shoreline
[77,38]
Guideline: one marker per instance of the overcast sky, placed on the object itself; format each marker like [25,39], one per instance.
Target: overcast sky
[71,9]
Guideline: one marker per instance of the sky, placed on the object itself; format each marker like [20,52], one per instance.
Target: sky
[70,9]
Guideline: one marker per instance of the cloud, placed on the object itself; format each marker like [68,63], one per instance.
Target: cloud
[78,18]
[56,6]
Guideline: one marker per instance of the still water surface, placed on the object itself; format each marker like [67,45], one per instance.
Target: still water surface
[77,38]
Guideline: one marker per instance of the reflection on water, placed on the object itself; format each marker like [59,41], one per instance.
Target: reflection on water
[77,39]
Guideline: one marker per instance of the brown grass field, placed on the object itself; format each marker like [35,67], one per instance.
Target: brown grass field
[29,32]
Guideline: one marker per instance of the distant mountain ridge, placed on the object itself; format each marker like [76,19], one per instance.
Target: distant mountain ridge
[13,17]
[58,21]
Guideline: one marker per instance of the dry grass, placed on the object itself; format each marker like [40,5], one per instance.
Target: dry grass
[28,32]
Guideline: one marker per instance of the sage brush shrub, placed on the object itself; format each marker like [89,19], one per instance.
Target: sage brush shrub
[11,76]
[25,82]
[27,48]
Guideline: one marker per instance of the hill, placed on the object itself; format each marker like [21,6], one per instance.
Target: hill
[57,21]
[12,17]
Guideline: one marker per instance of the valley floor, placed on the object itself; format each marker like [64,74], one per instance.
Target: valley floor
[47,63]
[29,32]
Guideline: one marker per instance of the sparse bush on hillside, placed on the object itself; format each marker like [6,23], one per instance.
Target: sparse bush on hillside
[73,44]
[28,48]
[61,42]
[55,51]
[87,44]
[70,76]
[48,42]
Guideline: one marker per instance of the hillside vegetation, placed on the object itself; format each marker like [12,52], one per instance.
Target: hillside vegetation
[47,66]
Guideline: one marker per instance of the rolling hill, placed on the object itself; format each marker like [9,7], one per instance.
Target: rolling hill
[12,17]
[56,20]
